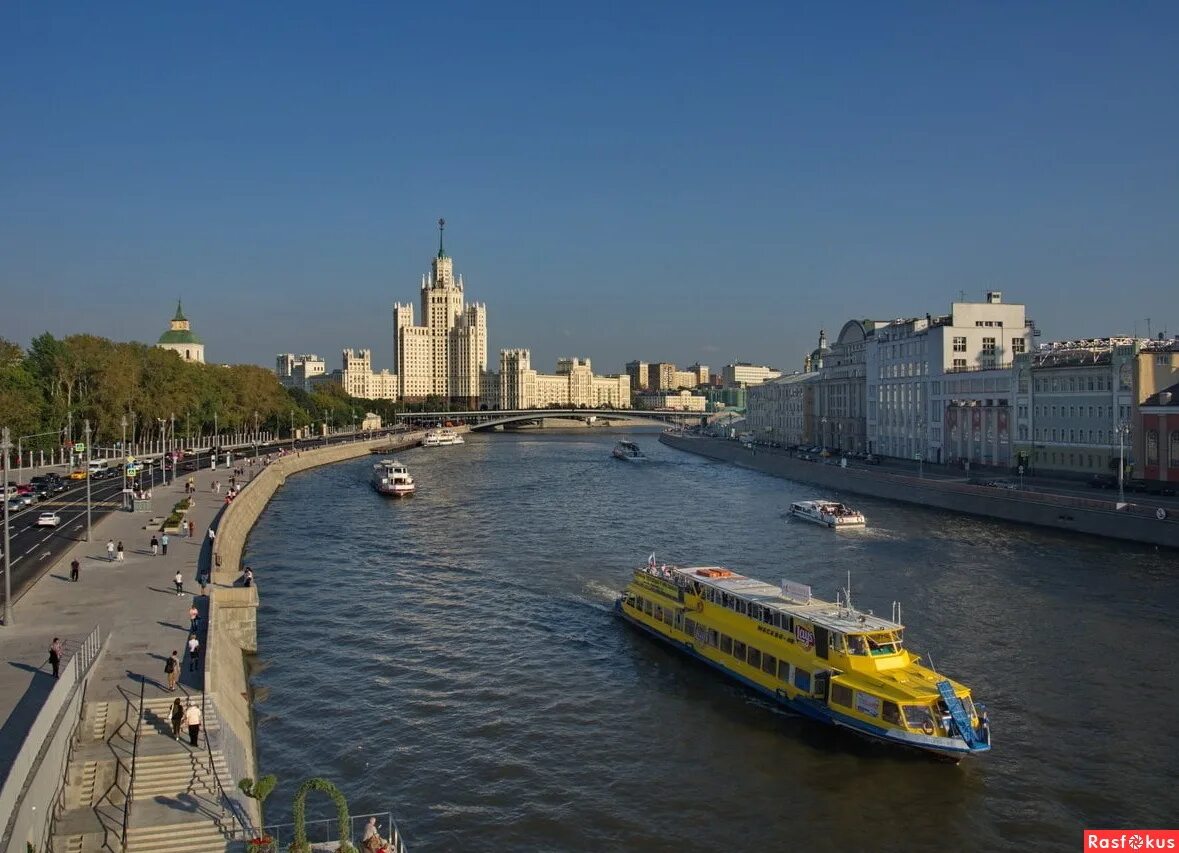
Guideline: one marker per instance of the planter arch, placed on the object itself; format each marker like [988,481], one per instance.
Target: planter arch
[299,809]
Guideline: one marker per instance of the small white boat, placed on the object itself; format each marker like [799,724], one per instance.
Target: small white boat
[628,451]
[392,478]
[827,513]
[442,437]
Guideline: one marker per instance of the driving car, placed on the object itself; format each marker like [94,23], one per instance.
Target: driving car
[48,519]
[16,503]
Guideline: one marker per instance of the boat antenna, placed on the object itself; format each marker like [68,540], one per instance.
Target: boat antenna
[850,606]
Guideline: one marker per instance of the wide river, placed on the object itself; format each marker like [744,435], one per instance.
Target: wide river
[454,658]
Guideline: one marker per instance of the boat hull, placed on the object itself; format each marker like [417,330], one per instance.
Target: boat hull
[395,493]
[932,746]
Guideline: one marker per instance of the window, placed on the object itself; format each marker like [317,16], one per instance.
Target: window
[988,347]
[890,713]
[667,616]
[738,650]
[689,626]
[754,657]
[658,614]
[647,607]
[769,664]
[1017,345]
[1173,451]
[784,671]
[726,644]
[841,695]
[1152,447]
[959,362]
[959,344]
[802,680]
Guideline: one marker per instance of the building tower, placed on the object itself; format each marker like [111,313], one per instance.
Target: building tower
[181,339]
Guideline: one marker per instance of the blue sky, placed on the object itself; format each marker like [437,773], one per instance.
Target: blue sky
[672,181]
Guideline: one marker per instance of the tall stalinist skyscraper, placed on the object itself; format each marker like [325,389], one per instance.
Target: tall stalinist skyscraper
[447,356]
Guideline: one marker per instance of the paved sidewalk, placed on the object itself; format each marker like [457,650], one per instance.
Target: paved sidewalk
[134,599]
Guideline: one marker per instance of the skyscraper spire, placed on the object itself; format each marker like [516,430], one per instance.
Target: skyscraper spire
[441,227]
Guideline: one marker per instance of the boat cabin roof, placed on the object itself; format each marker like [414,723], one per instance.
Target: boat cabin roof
[628,444]
[829,614]
[391,465]
[820,504]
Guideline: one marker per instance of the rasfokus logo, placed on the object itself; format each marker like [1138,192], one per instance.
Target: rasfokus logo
[1131,839]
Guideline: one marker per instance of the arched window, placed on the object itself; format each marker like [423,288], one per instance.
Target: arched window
[1174,449]
[1152,447]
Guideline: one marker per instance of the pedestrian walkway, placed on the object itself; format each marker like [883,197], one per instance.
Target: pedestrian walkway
[136,601]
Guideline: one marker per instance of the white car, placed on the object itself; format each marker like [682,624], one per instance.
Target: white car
[48,519]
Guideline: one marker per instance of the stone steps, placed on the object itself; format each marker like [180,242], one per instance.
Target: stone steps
[194,837]
[176,772]
[157,717]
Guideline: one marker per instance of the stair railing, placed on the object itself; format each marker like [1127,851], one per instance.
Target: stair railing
[134,756]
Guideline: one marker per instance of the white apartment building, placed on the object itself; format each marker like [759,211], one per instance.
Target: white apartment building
[357,379]
[675,401]
[298,371]
[940,387]
[447,355]
[779,411]
[840,404]
[574,385]
[743,374]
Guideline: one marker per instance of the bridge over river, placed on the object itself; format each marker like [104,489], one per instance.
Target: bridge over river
[488,419]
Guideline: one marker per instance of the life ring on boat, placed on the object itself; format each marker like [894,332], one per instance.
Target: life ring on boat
[700,605]
[927,727]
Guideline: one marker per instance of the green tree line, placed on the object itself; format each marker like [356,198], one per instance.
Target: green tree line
[81,377]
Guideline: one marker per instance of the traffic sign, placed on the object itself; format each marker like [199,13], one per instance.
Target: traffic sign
[79,448]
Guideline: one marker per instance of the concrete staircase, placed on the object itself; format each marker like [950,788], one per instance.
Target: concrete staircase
[192,837]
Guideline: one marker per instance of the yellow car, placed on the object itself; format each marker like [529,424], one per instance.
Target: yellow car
[77,475]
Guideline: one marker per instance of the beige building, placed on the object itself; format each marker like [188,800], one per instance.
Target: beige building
[447,355]
[180,338]
[679,401]
[638,371]
[700,374]
[840,407]
[1156,372]
[661,376]
[574,385]
[299,371]
[743,374]
[357,379]
[780,411]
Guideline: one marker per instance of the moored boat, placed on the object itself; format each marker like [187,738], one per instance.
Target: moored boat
[392,478]
[826,660]
[628,451]
[441,437]
[828,513]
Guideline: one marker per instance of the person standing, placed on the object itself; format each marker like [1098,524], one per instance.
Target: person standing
[164,544]
[191,530]
[110,551]
[75,570]
[212,535]
[177,716]
[194,652]
[172,670]
[194,616]
[248,577]
[192,716]
[119,551]
[155,545]
[179,581]
[55,652]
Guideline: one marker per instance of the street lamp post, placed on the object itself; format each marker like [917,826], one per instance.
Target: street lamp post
[163,454]
[86,438]
[5,446]
[123,467]
[1123,431]
[292,428]
[173,442]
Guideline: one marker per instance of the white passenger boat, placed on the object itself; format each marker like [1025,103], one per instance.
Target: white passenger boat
[442,437]
[828,513]
[628,451]
[392,478]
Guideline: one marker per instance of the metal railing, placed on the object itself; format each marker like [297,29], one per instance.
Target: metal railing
[44,747]
[239,822]
[131,774]
[326,830]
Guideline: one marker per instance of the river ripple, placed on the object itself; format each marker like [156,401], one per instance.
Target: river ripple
[454,658]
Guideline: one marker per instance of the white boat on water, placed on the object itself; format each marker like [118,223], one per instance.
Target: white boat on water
[827,513]
[392,478]
[442,437]
[628,451]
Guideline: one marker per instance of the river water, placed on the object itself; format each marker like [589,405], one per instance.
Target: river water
[454,658]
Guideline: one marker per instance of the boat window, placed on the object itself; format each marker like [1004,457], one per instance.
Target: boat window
[647,607]
[726,644]
[767,616]
[629,601]
[788,624]
[891,713]
[658,613]
[689,626]
[755,611]
[856,645]
[679,621]
[881,644]
[769,664]
[742,606]
[667,615]
[784,671]
[835,643]
[738,650]
[917,716]
[802,680]
[754,657]
[969,706]
[841,695]
[713,637]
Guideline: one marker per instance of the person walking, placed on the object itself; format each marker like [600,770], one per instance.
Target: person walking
[172,669]
[164,544]
[55,653]
[177,717]
[75,570]
[212,535]
[194,617]
[155,545]
[179,581]
[119,551]
[110,551]
[191,529]
[192,716]
[194,652]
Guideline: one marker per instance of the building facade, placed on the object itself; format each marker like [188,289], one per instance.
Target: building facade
[922,373]
[674,401]
[446,356]
[1156,375]
[299,371]
[638,373]
[180,338]
[744,374]
[781,410]
[840,389]
[574,385]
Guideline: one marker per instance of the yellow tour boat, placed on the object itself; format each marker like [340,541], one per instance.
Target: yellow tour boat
[824,659]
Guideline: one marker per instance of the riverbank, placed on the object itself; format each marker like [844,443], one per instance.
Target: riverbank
[1097,518]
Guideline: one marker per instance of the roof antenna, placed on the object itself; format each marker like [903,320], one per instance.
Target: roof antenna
[441,227]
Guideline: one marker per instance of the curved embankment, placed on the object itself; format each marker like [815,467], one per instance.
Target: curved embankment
[1099,518]
[233,609]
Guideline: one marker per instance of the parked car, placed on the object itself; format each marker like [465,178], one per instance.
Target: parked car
[48,519]
[15,503]
[1103,481]
[872,460]
[1001,484]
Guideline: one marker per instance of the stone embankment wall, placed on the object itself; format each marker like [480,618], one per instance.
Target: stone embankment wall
[233,610]
[1099,518]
